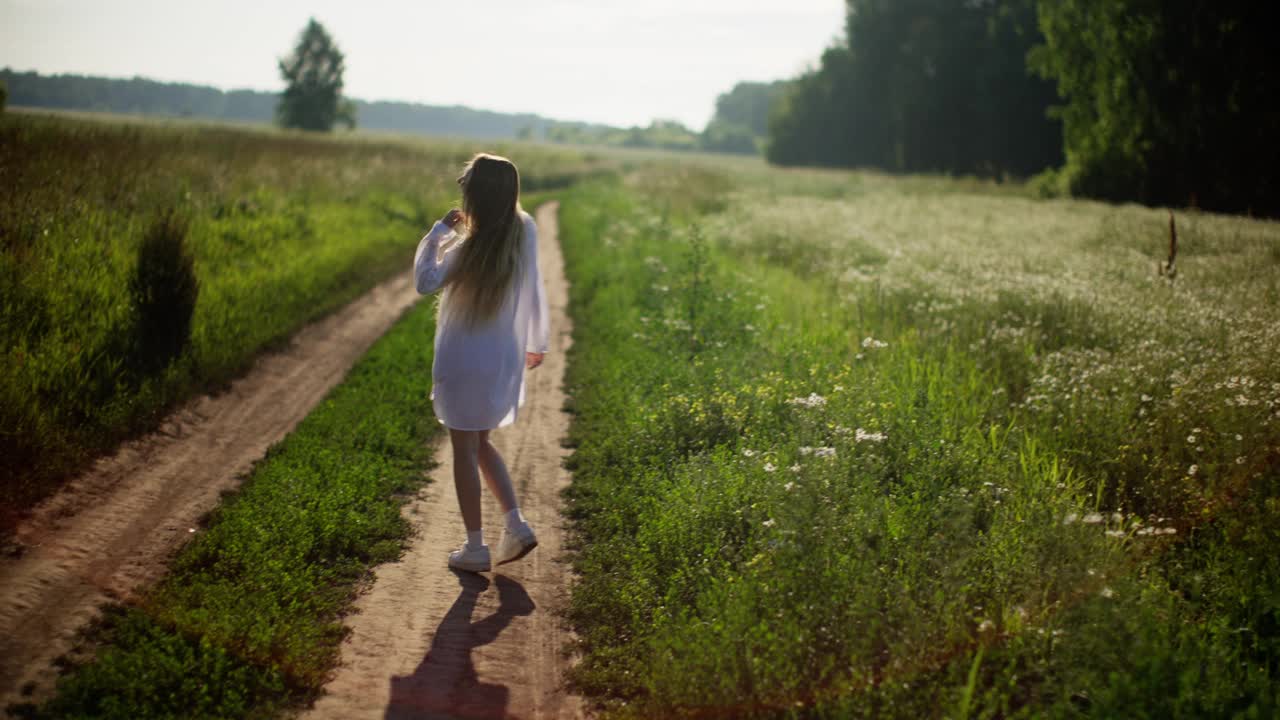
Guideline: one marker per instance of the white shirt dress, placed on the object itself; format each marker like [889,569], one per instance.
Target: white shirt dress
[477,376]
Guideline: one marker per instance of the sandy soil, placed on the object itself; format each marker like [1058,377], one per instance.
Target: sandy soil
[427,642]
[113,530]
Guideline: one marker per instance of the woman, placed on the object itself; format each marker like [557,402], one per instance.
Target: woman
[492,325]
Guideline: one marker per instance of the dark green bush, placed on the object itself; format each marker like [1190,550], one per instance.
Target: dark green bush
[163,290]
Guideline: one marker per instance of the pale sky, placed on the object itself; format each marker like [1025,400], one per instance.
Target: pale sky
[621,63]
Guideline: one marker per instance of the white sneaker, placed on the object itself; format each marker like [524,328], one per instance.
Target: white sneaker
[470,559]
[516,543]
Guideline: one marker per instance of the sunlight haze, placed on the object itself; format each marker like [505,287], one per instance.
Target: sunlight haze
[611,62]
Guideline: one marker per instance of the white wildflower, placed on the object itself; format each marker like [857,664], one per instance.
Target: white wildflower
[814,400]
[859,435]
[768,523]
[795,468]
[1193,470]
[1092,518]
[870,342]
[1107,592]
[770,467]
[825,452]
[749,452]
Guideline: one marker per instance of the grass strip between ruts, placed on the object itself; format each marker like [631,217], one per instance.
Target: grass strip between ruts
[248,622]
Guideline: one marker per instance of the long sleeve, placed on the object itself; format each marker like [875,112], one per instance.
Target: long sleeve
[539,332]
[430,272]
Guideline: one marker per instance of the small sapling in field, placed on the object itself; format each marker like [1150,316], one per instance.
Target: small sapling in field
[697,291]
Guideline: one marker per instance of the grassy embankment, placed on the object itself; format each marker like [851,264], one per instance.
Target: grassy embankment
[283,228]
[853,446]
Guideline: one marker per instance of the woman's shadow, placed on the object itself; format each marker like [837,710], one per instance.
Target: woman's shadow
[445,684]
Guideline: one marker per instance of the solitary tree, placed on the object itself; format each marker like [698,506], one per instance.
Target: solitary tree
[313,98]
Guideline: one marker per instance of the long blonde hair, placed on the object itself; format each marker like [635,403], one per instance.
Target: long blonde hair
[489,257]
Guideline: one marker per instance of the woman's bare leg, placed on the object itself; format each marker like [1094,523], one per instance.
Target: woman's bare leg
[495,473]
[466,475]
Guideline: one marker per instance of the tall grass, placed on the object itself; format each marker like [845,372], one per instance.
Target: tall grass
[851,446]
[282,228]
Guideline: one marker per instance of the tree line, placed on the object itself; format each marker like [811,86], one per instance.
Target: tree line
[740,125]
[139,96]
[1126,100]
[313,100]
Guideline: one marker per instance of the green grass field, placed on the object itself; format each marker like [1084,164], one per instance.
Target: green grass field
[846,445]
[856,446]
[283,228]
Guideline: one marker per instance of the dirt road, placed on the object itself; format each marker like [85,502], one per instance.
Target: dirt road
[113,530]
[430,643]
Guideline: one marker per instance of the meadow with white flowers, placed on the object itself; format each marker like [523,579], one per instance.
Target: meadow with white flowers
[850,445]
